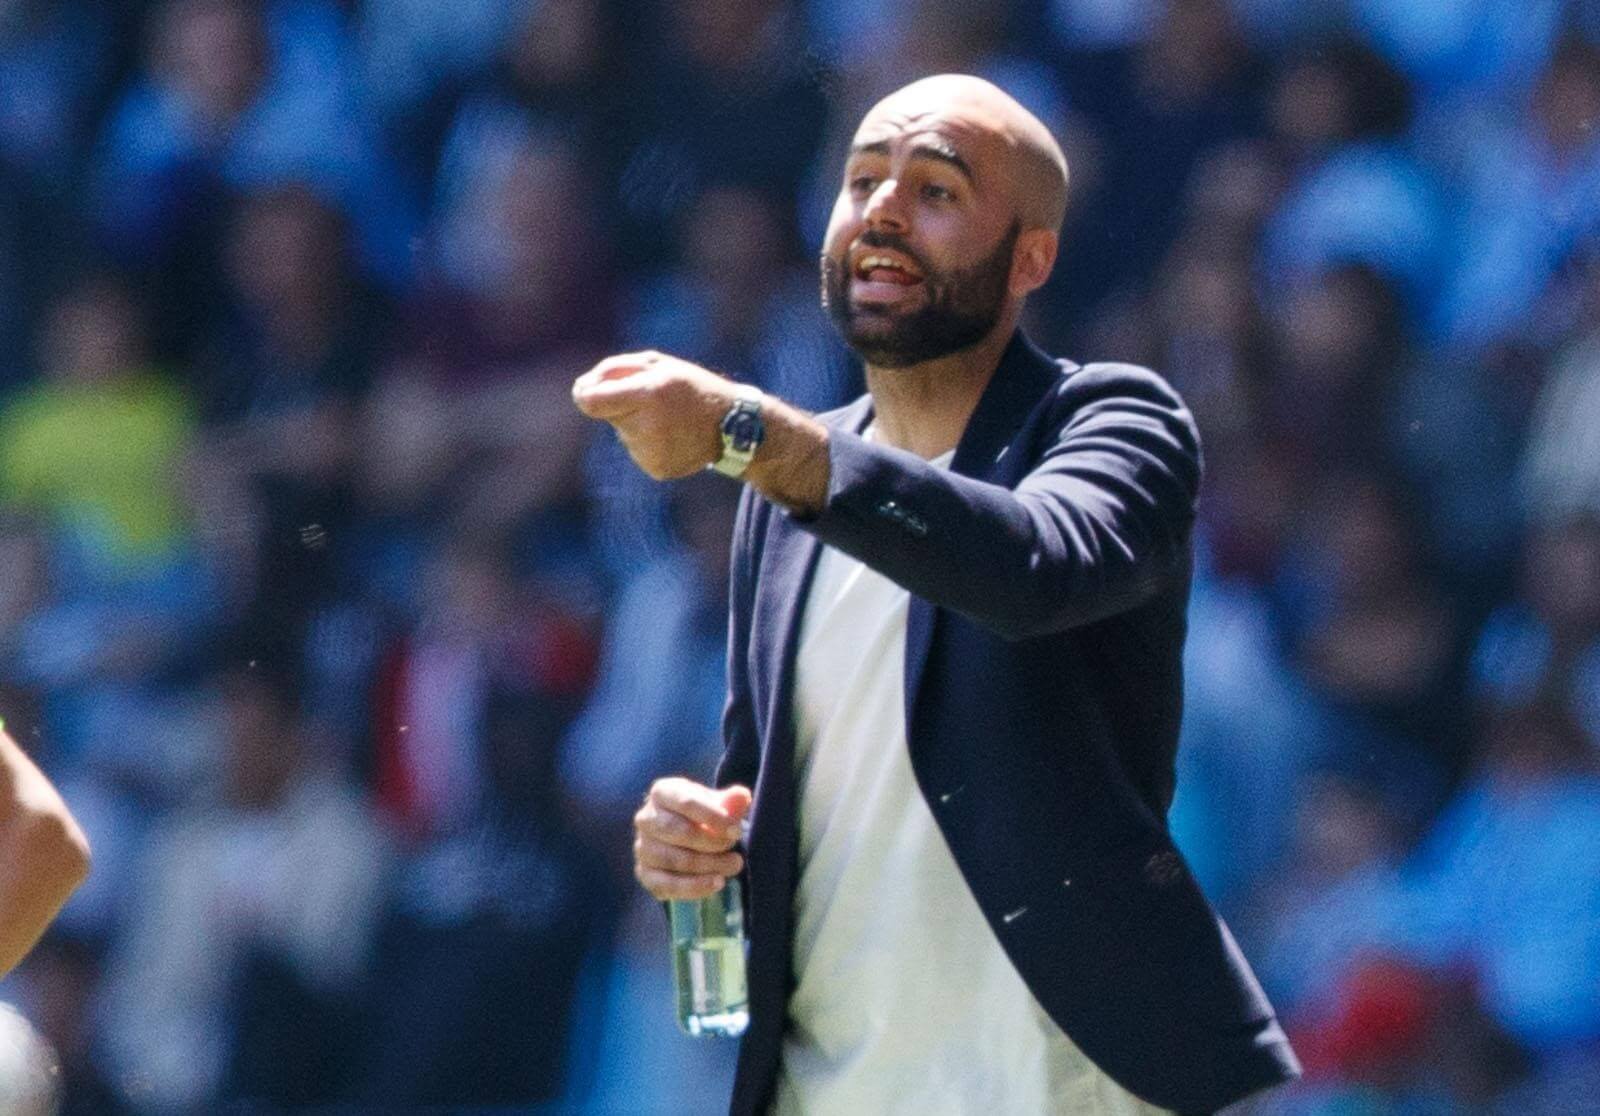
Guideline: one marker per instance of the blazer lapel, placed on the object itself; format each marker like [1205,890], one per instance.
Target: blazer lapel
[786,572]
[785,575]
[784,582]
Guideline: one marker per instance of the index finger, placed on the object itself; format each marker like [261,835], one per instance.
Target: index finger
[693,800]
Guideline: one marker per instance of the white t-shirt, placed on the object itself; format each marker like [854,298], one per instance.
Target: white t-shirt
[904,1000]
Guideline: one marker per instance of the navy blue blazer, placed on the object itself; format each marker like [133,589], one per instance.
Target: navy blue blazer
[1049,570]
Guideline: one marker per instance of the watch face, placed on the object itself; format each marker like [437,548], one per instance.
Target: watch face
[743,429]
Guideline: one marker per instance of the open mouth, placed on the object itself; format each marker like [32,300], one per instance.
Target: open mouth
[881,267]
[883,278]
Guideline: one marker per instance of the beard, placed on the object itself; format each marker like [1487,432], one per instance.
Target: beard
[962,306]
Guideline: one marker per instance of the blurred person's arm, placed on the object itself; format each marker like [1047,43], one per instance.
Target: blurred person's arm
[43,854]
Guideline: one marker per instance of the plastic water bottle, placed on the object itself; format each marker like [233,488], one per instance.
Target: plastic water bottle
[708,947]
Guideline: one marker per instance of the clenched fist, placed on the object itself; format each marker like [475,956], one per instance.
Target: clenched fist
[684,836]
[668,412]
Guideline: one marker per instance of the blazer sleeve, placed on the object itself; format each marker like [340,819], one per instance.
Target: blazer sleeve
[1099,523]
[741,751]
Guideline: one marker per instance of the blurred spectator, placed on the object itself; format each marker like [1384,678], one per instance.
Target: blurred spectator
[1244,751]
[1213,337]
[158,166]
[1231,193]
[1544,647]
[533,299]
[1375,639]
[556,65]
[125,595]
[254,923]
[54,61]
[730,99]
[1338,116]
[1184,89]
[1471,46]
[1338,346]
[498,904]
[404,459]
[519,284]
[1507,880]
[642,725]
[52,57]
[406,49]
[231,95]
[1367,205]
[1527,197]
[1560,472]
[277,382]
[1418,1039]
[1396,972]
[117,492]
[1333,93]
[299,326]
[480,648]
[557,58]
[1331,900]
[1439,405]
[474,988]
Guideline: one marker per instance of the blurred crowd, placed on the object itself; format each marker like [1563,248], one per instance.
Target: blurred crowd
[354,647]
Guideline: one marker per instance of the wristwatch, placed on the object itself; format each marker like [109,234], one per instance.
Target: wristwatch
[742,432]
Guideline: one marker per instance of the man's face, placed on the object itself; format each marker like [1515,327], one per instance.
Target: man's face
[918,257]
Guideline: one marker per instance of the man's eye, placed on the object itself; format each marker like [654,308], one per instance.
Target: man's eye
[937,192]
[862,183]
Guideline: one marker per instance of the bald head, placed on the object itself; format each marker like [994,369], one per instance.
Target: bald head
[948,217]
[1026,154]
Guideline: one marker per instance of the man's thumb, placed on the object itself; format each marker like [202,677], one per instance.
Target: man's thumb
[736,801]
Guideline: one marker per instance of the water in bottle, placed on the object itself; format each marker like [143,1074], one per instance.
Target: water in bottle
[708,947]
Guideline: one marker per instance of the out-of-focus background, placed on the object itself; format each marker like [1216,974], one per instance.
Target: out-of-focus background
[353,647]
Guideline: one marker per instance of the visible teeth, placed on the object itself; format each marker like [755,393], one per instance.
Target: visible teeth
[868,263]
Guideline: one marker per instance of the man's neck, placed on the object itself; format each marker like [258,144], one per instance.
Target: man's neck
[924,407]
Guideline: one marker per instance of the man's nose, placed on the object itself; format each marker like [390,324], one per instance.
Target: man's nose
[884,208]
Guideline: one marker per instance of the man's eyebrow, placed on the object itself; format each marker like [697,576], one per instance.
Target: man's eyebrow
[877,147]
[939,152]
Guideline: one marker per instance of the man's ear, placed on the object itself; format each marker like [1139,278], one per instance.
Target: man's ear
[1032,260]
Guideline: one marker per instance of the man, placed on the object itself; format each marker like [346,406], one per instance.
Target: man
[43,854]
[954,672]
